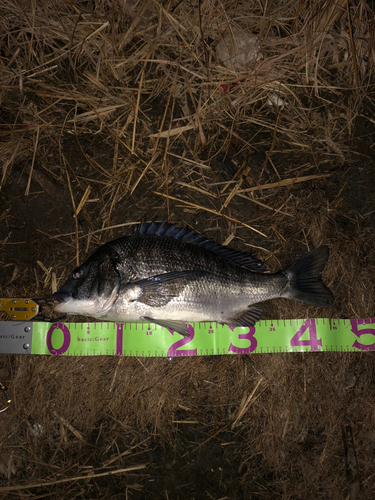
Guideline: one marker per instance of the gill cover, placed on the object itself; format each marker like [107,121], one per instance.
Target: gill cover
[92,288]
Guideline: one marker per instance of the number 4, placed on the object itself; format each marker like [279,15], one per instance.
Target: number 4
[313,341]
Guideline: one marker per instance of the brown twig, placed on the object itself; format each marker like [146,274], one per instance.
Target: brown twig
[44,484]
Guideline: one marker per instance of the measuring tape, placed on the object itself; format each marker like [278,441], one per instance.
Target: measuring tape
[205,339]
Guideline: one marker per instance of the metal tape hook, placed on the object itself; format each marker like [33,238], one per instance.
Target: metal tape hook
[28,309]
[4,389]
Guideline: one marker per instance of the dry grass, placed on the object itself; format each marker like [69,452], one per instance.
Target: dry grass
[112,110]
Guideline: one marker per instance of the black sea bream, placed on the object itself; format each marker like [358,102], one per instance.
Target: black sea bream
[171,276]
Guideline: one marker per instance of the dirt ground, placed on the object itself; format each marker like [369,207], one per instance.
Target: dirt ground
[130,428]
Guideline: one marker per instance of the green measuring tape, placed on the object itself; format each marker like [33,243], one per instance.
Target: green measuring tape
[205,339]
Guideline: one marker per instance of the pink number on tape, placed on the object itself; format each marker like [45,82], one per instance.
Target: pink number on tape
[66,342]
[248,336]
[172,351]
[313,341]
[358,333]
[119,338]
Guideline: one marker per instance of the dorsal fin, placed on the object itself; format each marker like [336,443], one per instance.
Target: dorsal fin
[188,235]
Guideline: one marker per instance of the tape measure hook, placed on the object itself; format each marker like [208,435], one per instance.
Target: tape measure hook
[40,316]
[19,309]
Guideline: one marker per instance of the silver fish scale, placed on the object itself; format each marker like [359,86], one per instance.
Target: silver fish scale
[227,289]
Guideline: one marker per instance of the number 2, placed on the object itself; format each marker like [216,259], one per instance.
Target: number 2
[172,351]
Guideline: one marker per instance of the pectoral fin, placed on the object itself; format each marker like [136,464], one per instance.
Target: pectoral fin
[157,291]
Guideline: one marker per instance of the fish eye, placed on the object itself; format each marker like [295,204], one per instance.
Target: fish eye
[77,274]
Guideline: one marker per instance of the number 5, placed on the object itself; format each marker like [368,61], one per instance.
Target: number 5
[358,333]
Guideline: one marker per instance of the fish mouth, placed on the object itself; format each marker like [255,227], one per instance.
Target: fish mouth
[90,306]
[62,298]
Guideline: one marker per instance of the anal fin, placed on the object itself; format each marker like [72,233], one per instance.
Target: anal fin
[246,318]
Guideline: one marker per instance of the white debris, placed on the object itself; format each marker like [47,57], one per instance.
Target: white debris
[275,100]
[238,50]
[37,430]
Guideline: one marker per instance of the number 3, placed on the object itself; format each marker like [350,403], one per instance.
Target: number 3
[248,336]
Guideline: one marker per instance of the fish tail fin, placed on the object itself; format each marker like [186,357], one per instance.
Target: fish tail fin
[305,282]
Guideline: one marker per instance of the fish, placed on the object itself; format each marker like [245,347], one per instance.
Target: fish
[172,276]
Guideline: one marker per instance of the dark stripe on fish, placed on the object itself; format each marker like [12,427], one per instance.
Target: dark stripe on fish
[188,235]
